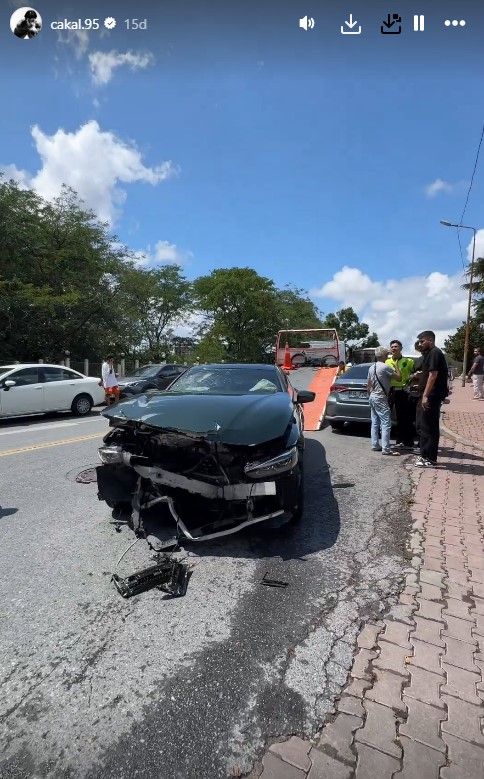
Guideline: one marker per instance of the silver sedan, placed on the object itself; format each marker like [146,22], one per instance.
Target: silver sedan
[348,399]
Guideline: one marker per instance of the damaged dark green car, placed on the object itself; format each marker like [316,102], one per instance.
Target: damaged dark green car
[219,450]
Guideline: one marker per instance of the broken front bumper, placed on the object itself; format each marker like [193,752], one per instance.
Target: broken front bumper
[123,475]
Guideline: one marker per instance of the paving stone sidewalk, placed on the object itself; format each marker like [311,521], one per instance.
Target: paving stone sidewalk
[414,704]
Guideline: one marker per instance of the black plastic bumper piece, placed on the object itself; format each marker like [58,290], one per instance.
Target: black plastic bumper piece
[169,575]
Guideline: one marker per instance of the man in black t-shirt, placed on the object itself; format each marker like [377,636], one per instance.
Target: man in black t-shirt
[433,389]
[412,389]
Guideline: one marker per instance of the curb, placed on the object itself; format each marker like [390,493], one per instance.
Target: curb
[458,438]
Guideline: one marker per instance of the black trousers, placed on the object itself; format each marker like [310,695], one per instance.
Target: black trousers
[403,411]
[412,405]
[428,423]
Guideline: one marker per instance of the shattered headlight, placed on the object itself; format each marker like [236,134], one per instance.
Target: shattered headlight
[268,469]
[110,454]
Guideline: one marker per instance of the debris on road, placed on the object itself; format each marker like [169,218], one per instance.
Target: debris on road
[168,575]
[273,582]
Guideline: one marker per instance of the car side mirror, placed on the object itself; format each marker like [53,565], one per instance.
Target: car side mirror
[305,396]
[9,383]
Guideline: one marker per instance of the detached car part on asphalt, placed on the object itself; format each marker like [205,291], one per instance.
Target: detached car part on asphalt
[218,451]
[168,575]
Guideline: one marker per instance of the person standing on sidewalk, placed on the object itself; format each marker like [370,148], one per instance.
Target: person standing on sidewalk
[412,390]
[433,390]
[378,388]
[477,373]
[405,428]
[110,381]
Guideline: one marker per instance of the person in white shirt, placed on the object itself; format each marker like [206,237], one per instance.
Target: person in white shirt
[110,381]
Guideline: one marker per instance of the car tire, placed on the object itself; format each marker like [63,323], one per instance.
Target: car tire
[338,425]
[299,360]
[81,405]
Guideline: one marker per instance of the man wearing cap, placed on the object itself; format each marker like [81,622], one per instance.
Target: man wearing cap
[405,427]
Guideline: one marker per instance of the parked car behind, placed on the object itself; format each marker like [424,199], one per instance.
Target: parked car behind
[348,399]
[35,388]
[150,377]
[222,449]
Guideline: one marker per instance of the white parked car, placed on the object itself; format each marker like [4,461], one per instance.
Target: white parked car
[35,388]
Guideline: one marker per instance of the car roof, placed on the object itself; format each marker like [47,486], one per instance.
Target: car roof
[257,366]
[36,365]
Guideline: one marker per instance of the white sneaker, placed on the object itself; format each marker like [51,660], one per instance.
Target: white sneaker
[421,462]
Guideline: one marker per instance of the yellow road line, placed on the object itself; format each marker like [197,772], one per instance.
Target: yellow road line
[20,449]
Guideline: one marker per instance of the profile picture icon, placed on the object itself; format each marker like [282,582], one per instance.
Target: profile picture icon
[25,23]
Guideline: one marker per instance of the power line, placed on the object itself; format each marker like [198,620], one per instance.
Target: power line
[468,195]
[460,249]
[473,173]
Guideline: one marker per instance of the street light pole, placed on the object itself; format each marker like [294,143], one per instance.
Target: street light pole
[469,300]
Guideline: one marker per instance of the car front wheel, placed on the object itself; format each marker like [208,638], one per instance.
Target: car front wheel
[81,405]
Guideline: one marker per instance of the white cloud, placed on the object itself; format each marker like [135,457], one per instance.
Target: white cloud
[93,162]
[22,177]
[439,185]
[433,189]
[438,284]
[189,326]
[162,254]
[479,246]
[104,63]
[78,40]
[168,252]
[401,308]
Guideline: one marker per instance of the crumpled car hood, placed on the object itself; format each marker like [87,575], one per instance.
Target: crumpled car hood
[243,420]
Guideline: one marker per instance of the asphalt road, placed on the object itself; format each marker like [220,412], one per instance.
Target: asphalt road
[96,686]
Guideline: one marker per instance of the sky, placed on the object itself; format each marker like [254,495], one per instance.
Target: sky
[226,135]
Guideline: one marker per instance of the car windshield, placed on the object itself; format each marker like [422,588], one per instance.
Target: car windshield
[6,368]
[145,371]
[228,381]
[356,372]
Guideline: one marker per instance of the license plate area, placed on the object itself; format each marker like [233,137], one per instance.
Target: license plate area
[359,394]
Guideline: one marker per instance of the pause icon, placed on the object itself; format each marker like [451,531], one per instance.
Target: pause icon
[419,23]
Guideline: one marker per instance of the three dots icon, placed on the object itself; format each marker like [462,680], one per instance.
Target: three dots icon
[455,23]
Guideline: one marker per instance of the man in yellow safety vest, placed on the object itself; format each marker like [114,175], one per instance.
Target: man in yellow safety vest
[405,427]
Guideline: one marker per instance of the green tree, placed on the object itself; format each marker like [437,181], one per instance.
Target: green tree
[241,313]
[371,341]
[297,311]
[350,329]
[454,344]
[59,269]
[151,302]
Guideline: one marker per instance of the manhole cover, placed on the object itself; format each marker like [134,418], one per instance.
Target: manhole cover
[81,473]
[86,477]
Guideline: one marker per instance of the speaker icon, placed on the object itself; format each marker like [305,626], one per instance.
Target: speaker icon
[306,23]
